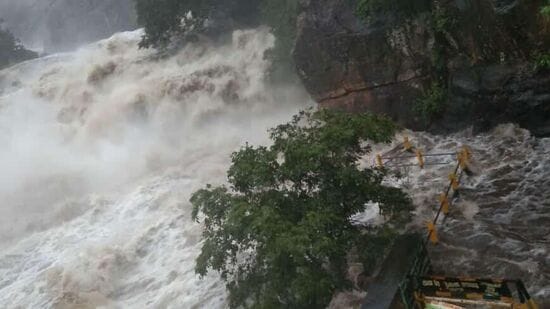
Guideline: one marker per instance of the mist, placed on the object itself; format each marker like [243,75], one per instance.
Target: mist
[52,26]
[101,150]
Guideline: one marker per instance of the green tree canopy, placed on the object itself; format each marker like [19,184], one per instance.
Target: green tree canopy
[165,19]
[11,50]
[545,8]
[281,232]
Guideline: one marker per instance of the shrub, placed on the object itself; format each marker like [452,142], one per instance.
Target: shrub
[432,103]
[281,232]
[165,20]
[11,50]
[404,8]
[542,62]
[281,16]
[545,9]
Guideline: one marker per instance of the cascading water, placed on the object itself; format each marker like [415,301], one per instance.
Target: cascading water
[499,226]
[100,151]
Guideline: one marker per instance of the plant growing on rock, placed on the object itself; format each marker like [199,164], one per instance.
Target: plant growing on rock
[545,9]
[366,8]
[166,20]
[281,16]
[280,233]
[432,103]
[542,62]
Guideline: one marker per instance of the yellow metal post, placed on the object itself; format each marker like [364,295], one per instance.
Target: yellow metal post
[464,157]
[407,144]
[467,152]
[454,181]
[420,158]
[379,161]
[433,233]
[444,202]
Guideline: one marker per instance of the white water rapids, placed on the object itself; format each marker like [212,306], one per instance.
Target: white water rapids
[499,226]
[101,149]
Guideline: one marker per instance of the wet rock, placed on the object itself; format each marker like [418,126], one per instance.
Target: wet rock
[386,63]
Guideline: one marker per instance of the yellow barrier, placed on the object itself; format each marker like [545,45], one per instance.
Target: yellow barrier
[532,304]
[444,202]
[463,156]
[432,233]
[455,184]
[379,161]
[420,158]
[407,144]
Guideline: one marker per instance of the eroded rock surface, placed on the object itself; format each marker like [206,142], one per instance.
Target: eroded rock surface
[482,54]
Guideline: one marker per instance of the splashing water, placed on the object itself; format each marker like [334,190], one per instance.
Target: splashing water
[499,227]
[101,150]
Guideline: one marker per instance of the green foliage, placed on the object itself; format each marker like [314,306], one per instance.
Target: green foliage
[432,103]
[165,19]
[545,9]
[441,20]
[442,24]
[162,20]
[281,232]
[365,8]
[542,62]
[281,16]
[11,50]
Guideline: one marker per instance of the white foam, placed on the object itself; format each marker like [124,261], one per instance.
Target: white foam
[101,150]
[499,225]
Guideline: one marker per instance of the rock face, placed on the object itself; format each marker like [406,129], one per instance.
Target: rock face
[60,25]
[480,50]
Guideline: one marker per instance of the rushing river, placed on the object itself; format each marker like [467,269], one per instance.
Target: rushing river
[100,151]
[101,148]
[499,226]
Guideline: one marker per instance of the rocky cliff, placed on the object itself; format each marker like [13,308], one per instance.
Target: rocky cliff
[479,53]
[59,25]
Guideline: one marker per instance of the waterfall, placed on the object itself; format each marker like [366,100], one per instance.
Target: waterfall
[100,151]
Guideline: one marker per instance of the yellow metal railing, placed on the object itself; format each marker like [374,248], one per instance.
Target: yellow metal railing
[463,166]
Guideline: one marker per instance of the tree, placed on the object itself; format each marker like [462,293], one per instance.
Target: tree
[281,16]
[281,233]
[164,20]
[11,50]
[167,20]
[545,9]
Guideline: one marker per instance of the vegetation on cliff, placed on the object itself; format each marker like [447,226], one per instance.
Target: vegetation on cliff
[366,8]
[166,20]
[432,104]
[545,9]
[11,50]
[281,233]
